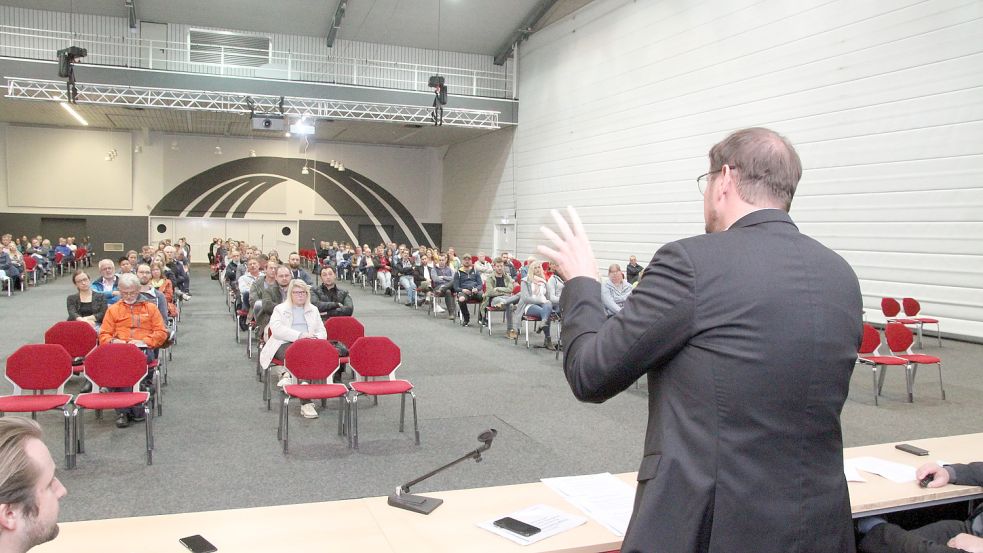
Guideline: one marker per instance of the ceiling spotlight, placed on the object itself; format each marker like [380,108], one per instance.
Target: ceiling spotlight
[341,167]
[218,150]
[252,153]
[286,134]
[305,171]
[108,157]
[138,149]
[174,145]
[113,153]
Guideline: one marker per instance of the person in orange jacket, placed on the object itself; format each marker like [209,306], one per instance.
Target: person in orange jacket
[133,320]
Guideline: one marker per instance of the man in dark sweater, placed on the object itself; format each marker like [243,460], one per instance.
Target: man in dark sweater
[944,536]
[330,300]
[467,286]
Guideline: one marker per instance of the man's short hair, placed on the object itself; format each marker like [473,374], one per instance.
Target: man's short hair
[128,280]
[106,261]
[498,260]
[122,259]
[18,473]
[768,168]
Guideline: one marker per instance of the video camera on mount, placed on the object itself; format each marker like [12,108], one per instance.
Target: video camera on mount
[68,56]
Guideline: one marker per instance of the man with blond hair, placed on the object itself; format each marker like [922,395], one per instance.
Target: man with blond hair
[29,489]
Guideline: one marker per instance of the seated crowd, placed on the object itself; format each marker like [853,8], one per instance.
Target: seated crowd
[26,262]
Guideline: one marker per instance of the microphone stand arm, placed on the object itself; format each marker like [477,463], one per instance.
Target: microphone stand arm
[476,455]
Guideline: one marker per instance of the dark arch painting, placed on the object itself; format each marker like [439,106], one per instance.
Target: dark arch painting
[231,189]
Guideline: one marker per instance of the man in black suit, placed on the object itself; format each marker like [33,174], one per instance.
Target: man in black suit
[748,336]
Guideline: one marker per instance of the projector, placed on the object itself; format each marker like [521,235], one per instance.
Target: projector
[269,122]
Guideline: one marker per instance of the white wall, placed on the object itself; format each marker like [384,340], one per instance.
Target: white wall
[883,99]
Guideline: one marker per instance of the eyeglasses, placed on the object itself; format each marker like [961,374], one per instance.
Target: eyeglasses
[703,180]
[300,292]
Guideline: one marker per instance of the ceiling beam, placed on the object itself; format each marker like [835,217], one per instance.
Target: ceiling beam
[524,30]
[339,13]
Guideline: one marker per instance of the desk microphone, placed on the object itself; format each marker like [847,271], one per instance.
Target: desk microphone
[402,499]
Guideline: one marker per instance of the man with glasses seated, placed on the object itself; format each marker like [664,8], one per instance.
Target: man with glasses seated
[133,320]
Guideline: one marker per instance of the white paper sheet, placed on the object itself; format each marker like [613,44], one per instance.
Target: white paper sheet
[602,497]
[851,473]
[895,472]
[550,522]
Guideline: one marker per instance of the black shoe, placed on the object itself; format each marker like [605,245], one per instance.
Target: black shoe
[467,323]
[548,344]
[122,421]
[137,418]
[410,304]
[540,330]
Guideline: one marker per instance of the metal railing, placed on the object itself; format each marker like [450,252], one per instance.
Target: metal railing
[42,44]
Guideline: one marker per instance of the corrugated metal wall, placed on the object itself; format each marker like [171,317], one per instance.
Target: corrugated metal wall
[883,99]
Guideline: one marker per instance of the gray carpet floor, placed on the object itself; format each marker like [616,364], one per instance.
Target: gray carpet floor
[216,445]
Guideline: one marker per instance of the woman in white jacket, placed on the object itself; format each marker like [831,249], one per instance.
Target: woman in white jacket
[294,319]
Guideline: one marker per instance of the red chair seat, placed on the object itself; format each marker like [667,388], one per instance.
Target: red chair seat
[277,362]
[884,359]
[242,312]
[343,360]
[531,318]
[315,391]
[111,400]
[904,321]
[919,358]
[382,387]
[29,404]
[927,320]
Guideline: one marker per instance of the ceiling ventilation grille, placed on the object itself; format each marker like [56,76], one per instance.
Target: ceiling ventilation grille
[226,48]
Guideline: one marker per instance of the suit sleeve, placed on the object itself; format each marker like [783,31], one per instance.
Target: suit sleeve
[890,538]
[968,475]
[604,356]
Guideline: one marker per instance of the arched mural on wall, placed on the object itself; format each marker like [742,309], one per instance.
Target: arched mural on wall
[231,189]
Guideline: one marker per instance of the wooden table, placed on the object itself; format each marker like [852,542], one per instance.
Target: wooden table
[369,524]
[880,495]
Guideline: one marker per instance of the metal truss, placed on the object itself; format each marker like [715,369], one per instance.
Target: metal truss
[228,102]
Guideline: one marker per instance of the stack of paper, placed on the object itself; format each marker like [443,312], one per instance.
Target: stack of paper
[603,497]
[550,522]
[895,472]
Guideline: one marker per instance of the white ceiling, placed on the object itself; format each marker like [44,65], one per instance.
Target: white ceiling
[475,26]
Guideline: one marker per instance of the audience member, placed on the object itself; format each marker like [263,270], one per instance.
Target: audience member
[272,297]
[442,282]
[165,286]
[509,266]
[124,266]
[467,286]
[615,291]
[293,319]
[330,300]
[151,293]
[633,270]
[296,271]
[108,283]
[405,269]
[533,301]
[29,489]
[133,320]
[84,305]
[498,286]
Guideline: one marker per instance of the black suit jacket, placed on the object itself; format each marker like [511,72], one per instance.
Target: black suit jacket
[748,338]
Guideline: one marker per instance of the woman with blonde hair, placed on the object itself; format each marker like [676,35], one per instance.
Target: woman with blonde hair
[533,300]
[160,281]
[296,318]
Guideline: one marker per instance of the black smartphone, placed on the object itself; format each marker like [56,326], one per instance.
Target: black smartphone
[908,448]
[198,544]
[516,526]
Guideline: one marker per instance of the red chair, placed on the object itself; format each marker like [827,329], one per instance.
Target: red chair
[266,378]
[379,357]
[115,366]
[911,309]
[899,340]
[313,360]
[81,257]
[516,263]
[31,266]
[891,308]
[868,355]
[346,330]
[36,368]
[77,337]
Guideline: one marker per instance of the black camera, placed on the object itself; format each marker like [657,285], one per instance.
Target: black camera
[68,56]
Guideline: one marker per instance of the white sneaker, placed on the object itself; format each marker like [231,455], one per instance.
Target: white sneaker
[308,411]
[439,309]
[285,380]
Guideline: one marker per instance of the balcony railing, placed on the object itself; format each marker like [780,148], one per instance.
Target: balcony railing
[22,42]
